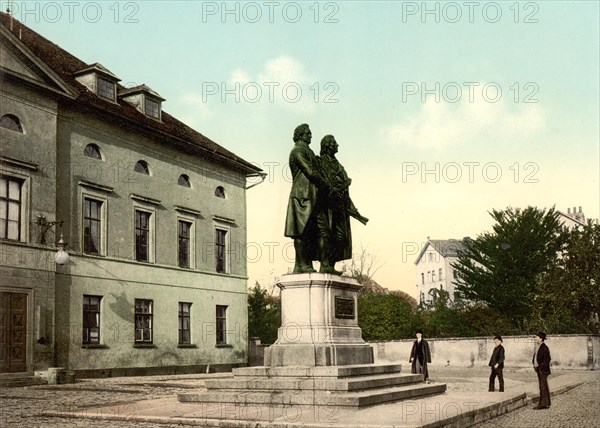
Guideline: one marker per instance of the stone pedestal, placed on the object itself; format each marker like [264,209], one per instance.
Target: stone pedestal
[319,358]
[319,325]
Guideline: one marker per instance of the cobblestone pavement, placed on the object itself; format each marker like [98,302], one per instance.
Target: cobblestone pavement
[22,406]
[578,408]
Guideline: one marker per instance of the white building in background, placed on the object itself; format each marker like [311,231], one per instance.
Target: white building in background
[571,219]
[434,268]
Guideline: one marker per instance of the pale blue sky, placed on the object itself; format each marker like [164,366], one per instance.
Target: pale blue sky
[372,52]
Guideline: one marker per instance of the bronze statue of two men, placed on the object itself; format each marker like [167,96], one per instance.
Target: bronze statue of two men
[319,207]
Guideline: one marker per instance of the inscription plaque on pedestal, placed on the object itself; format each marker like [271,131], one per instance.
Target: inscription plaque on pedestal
[344,308]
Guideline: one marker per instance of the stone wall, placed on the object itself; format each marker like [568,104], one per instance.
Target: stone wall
[567,351]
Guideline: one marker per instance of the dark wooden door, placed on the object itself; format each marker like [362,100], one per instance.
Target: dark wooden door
[13,332]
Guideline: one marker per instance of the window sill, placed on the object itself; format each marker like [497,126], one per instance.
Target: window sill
[144,345]
[94,346]
[223,345]
[187,345]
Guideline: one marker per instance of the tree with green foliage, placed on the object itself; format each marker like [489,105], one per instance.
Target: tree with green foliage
[264,315]
[568,295]
[384,316]
[501,268]
[441,319]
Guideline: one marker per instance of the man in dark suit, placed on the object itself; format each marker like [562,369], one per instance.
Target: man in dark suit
[497,364]
[541,364]
[420,356]
[300,220]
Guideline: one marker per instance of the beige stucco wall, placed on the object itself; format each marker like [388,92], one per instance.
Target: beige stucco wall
[27,266]
[119,279]
[567,351]
[121,149]
[119,284]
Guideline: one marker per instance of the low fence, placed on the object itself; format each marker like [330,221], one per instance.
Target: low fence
[568,351]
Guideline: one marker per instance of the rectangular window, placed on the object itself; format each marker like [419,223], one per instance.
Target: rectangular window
[220,250]
[184,323]
[91,319]
[440,272]
[433,276]
[184,229]
[106,89]
[221,325]
[152,108]
[143,321]
[142,236]
[92,226]
[10,208]
[422,278]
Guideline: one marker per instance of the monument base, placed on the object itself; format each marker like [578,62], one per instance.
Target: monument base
[318,355]
[319,359]
[319,323]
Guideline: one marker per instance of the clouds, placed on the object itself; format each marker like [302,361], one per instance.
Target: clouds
[441,125]
[279,84]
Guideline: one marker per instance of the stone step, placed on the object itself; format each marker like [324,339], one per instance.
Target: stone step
[321,398]
[318,371]
[354,383]
[22,381]
[369,398]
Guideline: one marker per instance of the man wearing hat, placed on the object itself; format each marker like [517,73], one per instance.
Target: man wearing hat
[420,356]
[497,364]
[541,364]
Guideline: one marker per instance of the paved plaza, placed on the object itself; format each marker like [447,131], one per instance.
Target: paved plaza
[127,398]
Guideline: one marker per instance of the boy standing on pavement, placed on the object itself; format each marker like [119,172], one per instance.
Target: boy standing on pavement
[497,364]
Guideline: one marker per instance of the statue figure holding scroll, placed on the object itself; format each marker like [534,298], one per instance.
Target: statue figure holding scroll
[334,209]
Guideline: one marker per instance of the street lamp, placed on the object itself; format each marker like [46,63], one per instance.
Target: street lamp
[61,257]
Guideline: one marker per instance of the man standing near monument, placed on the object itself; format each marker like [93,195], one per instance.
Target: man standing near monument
[420,356]
[300,222]
[497,365]
[334,209]
[541,364]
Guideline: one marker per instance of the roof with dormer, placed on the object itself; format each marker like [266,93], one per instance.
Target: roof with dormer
[63,68]
[138,89]
[97,67]
[446,247]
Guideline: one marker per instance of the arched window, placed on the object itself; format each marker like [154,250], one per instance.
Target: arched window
[142,167]
[184,181]
[220,192]
[12,122]
[92,151]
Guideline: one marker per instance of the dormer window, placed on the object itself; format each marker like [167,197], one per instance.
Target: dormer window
[144,99]
[99,80]
[106,89]
[152,108]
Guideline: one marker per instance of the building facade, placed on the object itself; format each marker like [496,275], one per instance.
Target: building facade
[153,214]
[571,219]
[434,268]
